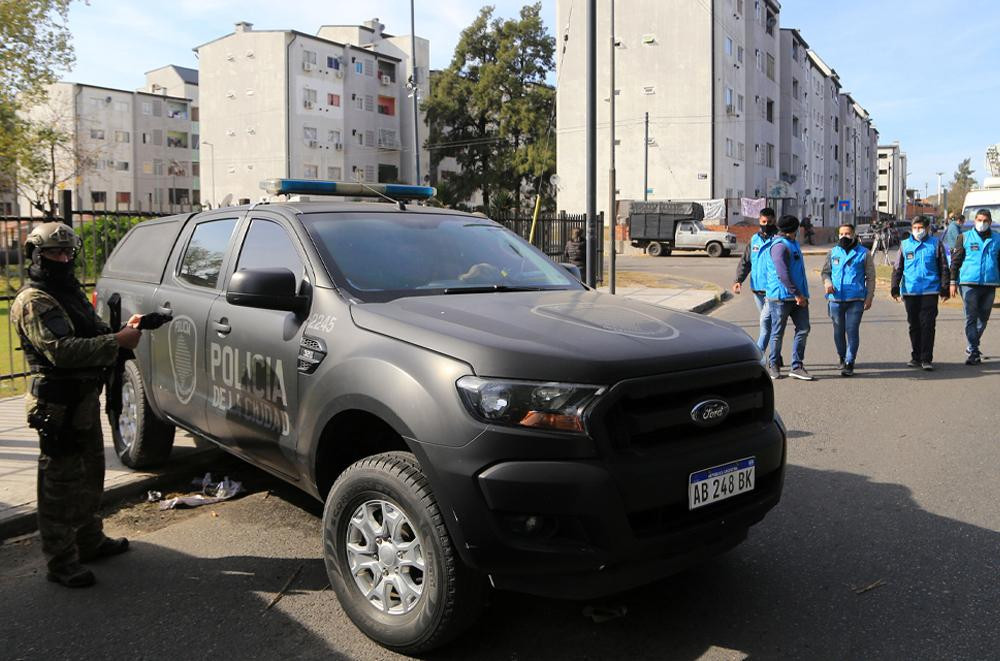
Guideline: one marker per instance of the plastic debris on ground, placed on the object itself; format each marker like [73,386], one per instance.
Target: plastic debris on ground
[602,614]
[211,492]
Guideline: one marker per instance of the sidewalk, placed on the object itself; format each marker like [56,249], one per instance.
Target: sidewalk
[821,249]
[674,292]
[19,463]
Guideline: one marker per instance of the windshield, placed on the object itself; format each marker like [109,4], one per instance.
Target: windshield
[970,213]
[380,257]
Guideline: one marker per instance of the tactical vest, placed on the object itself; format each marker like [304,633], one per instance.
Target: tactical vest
[848,274]
[760,249]
[74,304]
[776,290]
[980,265]
[921,275]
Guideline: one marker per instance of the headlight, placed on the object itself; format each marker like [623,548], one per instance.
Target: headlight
[558,406]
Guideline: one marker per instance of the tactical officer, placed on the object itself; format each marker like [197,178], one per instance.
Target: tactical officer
[849,279]
[975,267]
[68,349]
[752,264]
[920,275]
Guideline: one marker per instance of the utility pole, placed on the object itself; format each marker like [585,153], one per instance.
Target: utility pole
[645,166]
[940,206]
[591,114]
[416,99]
[612,207]
[854,202]
[215,200]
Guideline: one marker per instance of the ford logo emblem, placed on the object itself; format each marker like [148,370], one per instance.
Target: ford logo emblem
[710,412]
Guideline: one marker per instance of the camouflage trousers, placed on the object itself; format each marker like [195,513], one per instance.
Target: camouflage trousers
[70,486]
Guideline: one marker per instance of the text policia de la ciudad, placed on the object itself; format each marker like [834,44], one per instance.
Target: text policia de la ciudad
[249,386]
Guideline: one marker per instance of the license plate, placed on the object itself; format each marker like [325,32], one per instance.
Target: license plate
[720,482]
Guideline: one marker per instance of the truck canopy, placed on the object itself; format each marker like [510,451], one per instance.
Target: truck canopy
[658,219]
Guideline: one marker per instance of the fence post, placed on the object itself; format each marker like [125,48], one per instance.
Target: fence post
[66,206]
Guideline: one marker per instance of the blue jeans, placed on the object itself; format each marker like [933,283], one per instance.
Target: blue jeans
[846,317]
[764,336]
[780,312]
[978,305]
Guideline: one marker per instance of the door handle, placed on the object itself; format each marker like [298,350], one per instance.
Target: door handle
[164,309]
[222,326]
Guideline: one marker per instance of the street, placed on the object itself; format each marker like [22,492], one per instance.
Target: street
[886,543]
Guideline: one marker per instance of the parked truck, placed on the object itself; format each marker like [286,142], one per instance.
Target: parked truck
[660,227]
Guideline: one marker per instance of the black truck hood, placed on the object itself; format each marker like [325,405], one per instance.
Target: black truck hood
[568,336]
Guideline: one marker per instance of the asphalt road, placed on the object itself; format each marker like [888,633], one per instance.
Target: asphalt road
[885,545]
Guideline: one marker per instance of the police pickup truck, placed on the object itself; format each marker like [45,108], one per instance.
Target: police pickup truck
[470,413]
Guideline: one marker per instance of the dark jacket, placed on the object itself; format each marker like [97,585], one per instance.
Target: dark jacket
[575,252]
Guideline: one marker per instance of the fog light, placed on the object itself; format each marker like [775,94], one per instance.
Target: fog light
[531,525]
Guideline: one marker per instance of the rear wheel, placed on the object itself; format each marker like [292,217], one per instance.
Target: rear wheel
[141,439]
[714,249]
[391,560]
[654,249]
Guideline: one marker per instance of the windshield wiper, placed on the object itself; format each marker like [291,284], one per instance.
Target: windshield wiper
[488,289]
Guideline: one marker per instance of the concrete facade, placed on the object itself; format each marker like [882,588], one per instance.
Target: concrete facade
[891,193]
[132,150]
[795,134]
[280,103]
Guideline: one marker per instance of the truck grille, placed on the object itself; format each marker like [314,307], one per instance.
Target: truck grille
[650,412]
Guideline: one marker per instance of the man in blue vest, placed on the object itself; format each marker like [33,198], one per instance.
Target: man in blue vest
[787,296]
[975,267]
[849,279]
[953,233]
[752,264]
[920,275]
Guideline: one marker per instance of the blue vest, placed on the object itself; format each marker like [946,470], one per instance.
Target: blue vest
[776,291]
[848,274]
[920,267]
[980,266]
[760,249]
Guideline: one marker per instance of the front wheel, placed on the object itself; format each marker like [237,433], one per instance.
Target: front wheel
[141,439]
[714,249]
[391,560]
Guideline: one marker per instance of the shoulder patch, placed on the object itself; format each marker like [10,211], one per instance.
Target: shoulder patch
[57,323]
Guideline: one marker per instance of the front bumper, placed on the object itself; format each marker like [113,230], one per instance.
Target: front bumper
[609,520]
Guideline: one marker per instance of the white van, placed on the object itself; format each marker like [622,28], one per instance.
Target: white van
[987,197]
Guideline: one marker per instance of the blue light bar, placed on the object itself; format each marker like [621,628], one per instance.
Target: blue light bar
[323,187]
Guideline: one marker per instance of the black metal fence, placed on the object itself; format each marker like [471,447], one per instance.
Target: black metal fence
[552,231]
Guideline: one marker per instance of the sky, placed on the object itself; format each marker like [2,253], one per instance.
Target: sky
[922,68]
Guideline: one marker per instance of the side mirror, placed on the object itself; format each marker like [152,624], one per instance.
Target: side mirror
[270,289]
[573,269]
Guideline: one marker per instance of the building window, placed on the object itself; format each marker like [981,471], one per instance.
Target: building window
[361,139]
[98,197]
[739,7]
[195,169]
[180,196]
[369,173]
[308,98]
[195,141]
[359,102]
[388,174]
[177,169]
[370,139]
[309,133]
[147,108]
[123,198]
[387,106]
[836,124]
[122,136]
[758,155]
[97,134]
[310,171]
[740,103]
[158,137]
[795,51]
[333,136]
[157,167]
[387,69]
[176,110]
[759,57]
[359,68]
[836,152]
[194,116]
[729,46]
[121,166]
[729,99]
[121,106]
[177,139]
[739,54]
[369,67]
[796,131]
[333,100]
[729,147]
[769,23]
[795,88]
[770,156]
[308,60]
[147,167]
[741,151]
[769,111]
[369,103]
[334,172]
[333,62]
[387,139]
[770,66]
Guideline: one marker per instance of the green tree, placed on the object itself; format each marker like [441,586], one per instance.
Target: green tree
[491,110]
[962,182]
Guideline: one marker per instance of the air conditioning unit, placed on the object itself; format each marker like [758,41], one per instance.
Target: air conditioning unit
[386,80]
[339,146]
[730,109]
[339,73]
[308,66]
[308,105]
[312,144]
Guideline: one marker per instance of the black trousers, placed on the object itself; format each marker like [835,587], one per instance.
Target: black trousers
[921,314]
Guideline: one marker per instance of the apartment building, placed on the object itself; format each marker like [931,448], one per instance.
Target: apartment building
[859,147]
[891,194]
[282,103]
[795,161]
[131,150]
[814,202]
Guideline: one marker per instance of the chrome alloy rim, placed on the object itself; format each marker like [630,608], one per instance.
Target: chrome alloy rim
[386,557]
[127,419]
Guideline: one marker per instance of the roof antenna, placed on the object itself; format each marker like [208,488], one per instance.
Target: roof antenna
[399,203]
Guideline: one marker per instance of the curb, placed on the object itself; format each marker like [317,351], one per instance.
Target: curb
[24,520]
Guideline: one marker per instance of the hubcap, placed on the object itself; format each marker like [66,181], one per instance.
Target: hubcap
[127,427]
[386,557]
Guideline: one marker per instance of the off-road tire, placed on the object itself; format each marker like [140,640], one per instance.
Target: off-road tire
[454,595]
[714,249]
[154,438]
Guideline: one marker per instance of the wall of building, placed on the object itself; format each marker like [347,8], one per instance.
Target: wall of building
[795,132]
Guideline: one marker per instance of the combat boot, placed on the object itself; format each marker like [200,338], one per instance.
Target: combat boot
[72,575]
[106,547]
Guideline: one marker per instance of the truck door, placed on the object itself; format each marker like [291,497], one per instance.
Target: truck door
[253,355]
[687,236]
[190,286]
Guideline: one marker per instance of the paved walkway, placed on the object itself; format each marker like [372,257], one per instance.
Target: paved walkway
[18,466]
[691,299]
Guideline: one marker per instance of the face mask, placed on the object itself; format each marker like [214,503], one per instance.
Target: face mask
[769,230]
[846,242]
[919,234]
[982,227]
